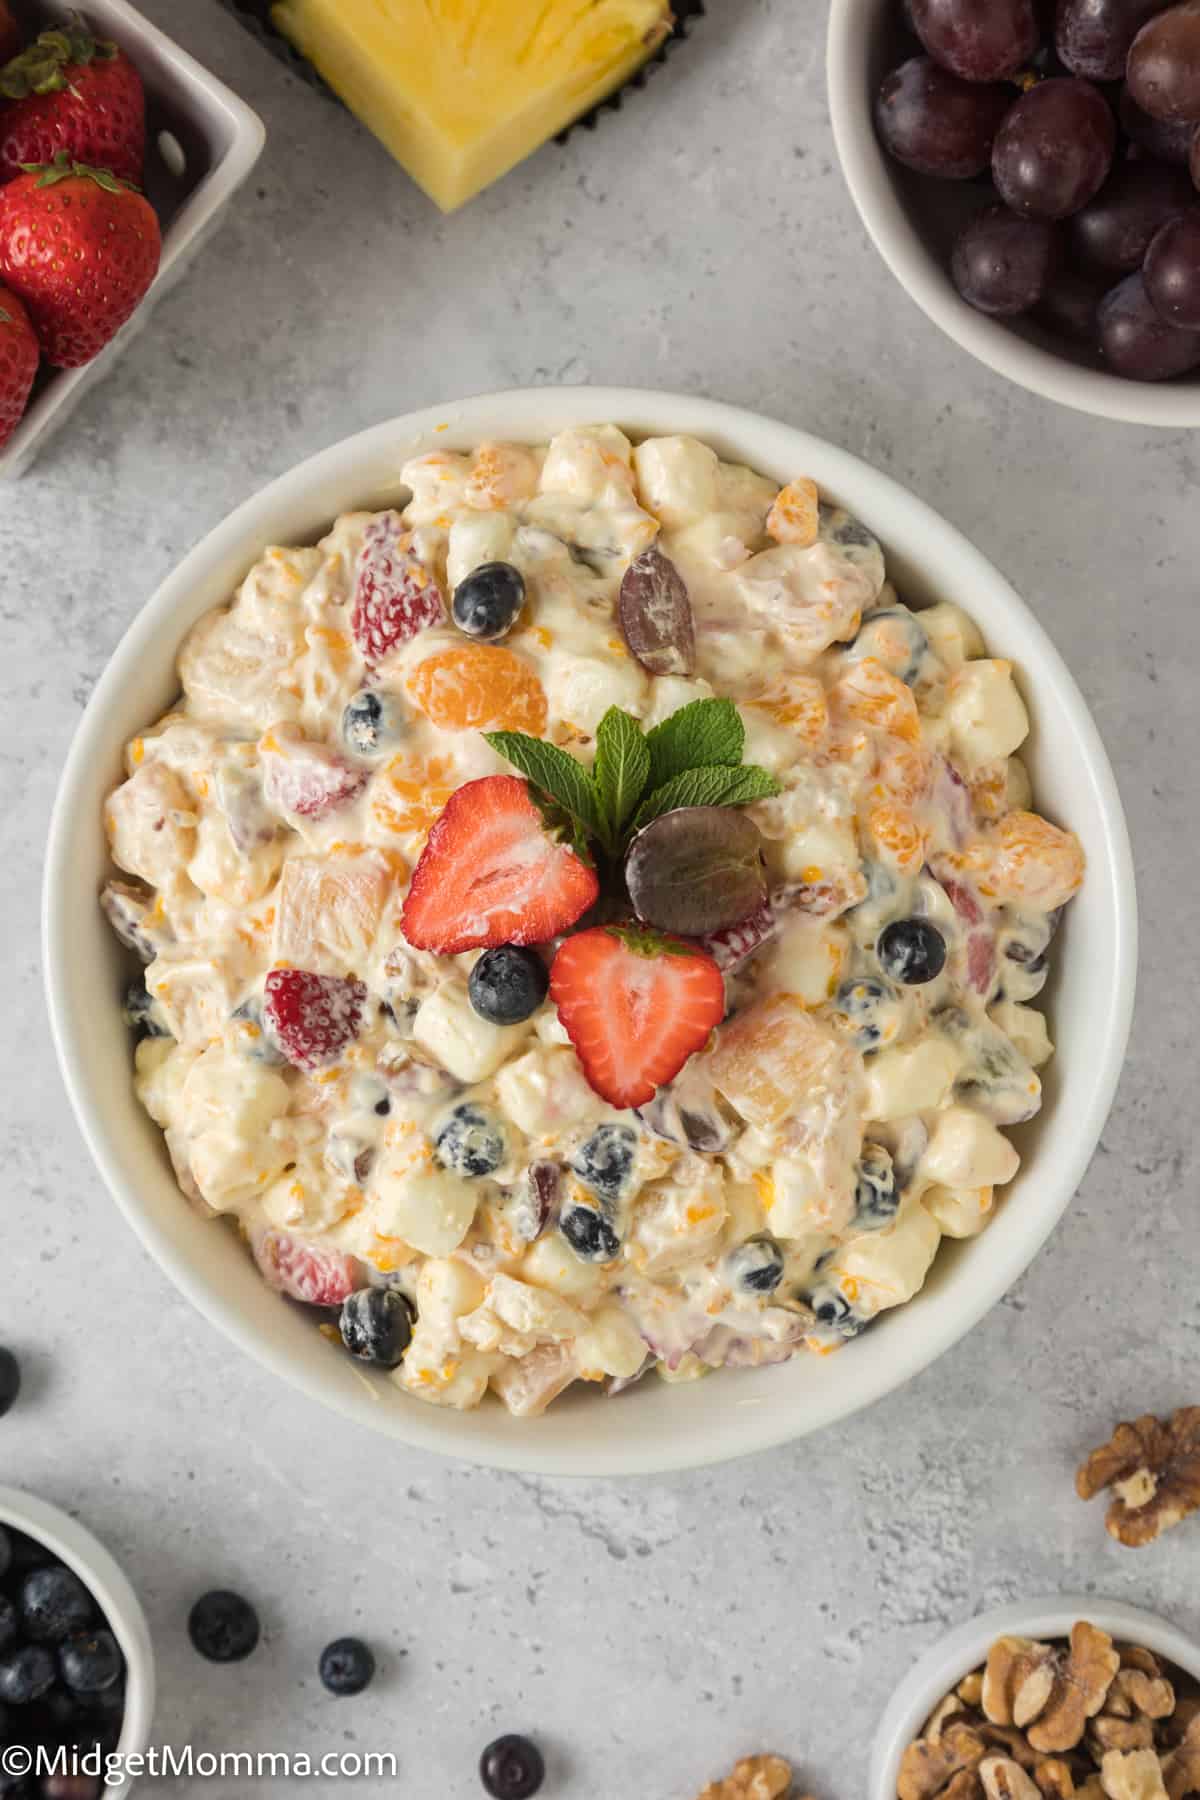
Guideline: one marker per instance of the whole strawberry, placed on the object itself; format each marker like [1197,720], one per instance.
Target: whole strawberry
[77,94]
[80,248]
[18,362]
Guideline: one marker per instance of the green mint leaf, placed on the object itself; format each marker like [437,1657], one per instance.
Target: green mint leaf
[704,734]
[552,772]
[707,787]
[620,771]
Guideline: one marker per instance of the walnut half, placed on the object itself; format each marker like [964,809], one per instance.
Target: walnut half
[754,1778]
[1153,1468]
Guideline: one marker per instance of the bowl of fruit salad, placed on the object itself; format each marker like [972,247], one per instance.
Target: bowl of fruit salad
[1031,175]
[76,1661]
[546,922]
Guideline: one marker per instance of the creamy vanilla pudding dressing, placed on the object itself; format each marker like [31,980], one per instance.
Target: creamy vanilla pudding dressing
[797,1176]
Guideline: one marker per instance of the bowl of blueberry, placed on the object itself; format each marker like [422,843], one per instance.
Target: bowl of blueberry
[1030,172]
[76,1663]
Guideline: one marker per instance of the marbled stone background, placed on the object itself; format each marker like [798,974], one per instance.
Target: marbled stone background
[650,1632]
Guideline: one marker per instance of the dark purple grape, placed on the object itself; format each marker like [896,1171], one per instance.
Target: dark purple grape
[696,870]
[1168,143]
[1172,272]
[1093,36]
[1001,263]
[1113,231]
[932,122]
[1164,64]
[1054,149]
[1194,157]
[656,614]
[1068,305]
[1136,343]
[981,40]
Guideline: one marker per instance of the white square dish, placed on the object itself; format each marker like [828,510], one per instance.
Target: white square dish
[201,144]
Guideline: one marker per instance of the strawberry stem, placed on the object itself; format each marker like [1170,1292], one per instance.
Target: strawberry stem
[644,942]
[41,67]
[64,168]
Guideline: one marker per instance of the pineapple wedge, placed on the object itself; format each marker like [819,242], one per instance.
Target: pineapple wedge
[461,90]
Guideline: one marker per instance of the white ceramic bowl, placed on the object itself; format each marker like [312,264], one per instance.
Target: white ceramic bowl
[75,1546]
[947,1662]
[201,143]
[655,1427]
[912,221]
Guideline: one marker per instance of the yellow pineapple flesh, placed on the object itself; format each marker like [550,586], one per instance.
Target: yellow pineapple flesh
[462,90]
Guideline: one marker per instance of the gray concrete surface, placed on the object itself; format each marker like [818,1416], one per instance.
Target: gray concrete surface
[649,1633]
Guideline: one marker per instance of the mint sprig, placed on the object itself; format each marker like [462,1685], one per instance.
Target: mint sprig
[694,758]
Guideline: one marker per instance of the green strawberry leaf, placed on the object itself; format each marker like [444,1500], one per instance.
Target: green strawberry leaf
[553,773]
[704,734]
[620,772]
[643,941]
[720,786]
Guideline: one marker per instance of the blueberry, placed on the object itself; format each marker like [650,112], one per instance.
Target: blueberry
[508,984]
[27,1553]
[8,1623]
[757,1266]
[256,1041]
[589,1234]
[376,1326]
[911,951]
[872,1007]
[10,1387]
[604,1161]
[512,1768]
[54,1603]
[346,1666]
[142,1013]
[471,1141]
[877,1195]
[90,1660]
[896,638]
[487,601]
[26,1674]
[5,1552]
[370,723]
[223,1627]
[835,1312]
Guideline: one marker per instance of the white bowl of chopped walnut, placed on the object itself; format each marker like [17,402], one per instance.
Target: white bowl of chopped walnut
[1065,1699]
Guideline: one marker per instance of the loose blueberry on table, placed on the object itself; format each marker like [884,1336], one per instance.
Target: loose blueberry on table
[512,1768]
[346,1666]
[10,1386]
[223,1626]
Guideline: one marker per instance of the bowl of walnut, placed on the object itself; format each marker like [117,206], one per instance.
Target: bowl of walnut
[1070,1697]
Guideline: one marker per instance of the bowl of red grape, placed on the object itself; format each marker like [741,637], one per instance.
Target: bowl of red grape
[1030,172]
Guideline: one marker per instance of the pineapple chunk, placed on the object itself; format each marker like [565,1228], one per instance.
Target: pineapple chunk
[462,90]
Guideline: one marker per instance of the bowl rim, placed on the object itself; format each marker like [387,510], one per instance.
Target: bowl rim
[113,1592]
[944,1664]
[872,189]
[738,1428]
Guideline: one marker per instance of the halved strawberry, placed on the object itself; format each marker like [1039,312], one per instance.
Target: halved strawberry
[635,1005]
[491,873]
[308,1272]
[312,1017]
[305,779]
[395,596]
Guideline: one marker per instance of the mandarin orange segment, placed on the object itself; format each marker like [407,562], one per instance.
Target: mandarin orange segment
[874,696]
[501,474]
[774,1058]
[408,796]
[989,792]
[799,704]
[794,517]
[1026,861]
[897,836]
[478,687]
[903,774]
